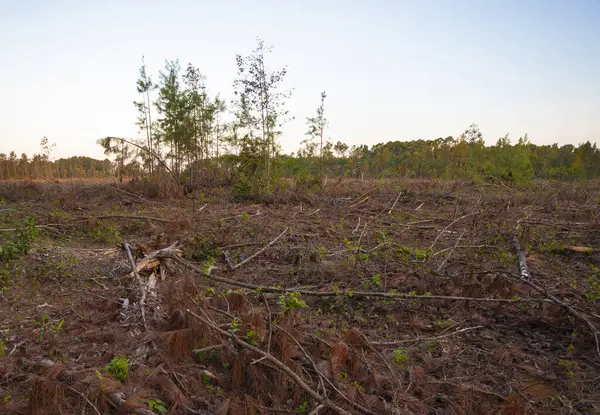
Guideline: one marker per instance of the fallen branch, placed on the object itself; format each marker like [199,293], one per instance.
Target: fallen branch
[321,375]
[307,356]
[396,201]
[359,202]
[140,284]
[130,194]
[595,332]
[259,251]
[348,292]
[284,368]
[150,218]
[421,339]
[357,226]
[524,270]
[470,388]
[525,277]
[152,153]
[48,226]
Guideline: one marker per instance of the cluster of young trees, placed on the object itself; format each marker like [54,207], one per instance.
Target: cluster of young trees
[182,124]
[465,157]
[192,136]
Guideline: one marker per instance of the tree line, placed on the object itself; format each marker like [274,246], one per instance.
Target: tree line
[194,136]
[442,158]
[24,167]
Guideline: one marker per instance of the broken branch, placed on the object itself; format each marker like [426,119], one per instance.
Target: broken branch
[140,284]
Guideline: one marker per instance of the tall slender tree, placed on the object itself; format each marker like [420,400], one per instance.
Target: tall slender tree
[316,129]
[171,108]
[144,87]
[260,103]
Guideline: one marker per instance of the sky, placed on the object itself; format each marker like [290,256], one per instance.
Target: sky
[392,70]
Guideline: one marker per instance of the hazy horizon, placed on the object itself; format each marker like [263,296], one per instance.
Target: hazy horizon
[392,70]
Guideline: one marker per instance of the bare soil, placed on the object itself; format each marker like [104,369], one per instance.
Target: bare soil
[440,342]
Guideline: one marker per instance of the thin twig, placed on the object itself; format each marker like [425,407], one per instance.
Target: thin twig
[441,251]
[450,253]
[284,368]
[84,397]
[316,410]
[208,348]
[259,251]
[99,283]
[449,225]
[15,347]
[310,359]
[313,212]
[140,283]
[79,315]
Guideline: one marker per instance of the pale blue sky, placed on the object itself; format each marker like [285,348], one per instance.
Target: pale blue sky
[393,70]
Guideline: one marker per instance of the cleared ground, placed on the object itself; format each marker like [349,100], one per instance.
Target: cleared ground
[413,297]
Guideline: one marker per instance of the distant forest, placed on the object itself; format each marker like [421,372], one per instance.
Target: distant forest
[443,158]
[184,136]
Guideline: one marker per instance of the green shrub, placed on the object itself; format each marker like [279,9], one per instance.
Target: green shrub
[291,301]
[400,357]
[25,234]
[118,368]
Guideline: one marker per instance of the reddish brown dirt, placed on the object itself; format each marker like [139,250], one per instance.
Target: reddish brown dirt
[385,355]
